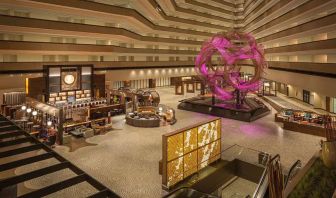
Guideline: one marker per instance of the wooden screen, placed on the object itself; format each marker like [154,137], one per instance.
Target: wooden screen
[188,150]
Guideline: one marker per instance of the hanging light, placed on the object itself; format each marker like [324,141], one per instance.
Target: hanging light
[34,113]
[23,107]
[160,109]
[49,123]
[29,110]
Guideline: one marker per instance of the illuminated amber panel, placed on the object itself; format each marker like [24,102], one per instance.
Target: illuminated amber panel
[190,140]
[208,151]
[174,171]
[191,150]
[190,163]
[208,132]
[175,146]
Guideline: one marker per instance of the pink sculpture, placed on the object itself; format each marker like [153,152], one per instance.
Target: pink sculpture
[224,80]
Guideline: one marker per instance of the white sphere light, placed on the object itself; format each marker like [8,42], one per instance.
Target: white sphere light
[34,113]
[23,107]
[49,123]
[160,108]
[29,110]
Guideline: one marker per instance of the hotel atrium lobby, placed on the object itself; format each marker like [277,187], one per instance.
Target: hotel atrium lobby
[168,98]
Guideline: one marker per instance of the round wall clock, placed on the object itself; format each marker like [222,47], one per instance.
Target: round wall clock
[69,79]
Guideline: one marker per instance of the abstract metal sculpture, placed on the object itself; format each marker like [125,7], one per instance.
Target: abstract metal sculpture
[224,81]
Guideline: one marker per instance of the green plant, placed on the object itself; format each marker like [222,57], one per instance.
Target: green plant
[318,182]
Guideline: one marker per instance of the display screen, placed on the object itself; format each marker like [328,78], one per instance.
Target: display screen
[71,99]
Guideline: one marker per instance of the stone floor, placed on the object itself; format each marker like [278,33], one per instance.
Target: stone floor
[127,158]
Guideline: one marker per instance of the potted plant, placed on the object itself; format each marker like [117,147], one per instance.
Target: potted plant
[329,146]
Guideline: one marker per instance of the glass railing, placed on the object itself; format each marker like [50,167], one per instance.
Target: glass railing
[239,172]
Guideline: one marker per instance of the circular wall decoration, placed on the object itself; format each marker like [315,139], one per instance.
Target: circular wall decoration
[69,79]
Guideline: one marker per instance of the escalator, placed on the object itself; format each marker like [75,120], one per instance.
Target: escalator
[186,192]
[223,178]
[226,174]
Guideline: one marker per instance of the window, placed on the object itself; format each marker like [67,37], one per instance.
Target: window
[70,40]
[64,19]
[110,24]
[48,58]
[93,58]
[15,37]
[149,58]
[306,96]
[63,58]
[101,42]
[334,101]
[56,39]
[9,58]
[21,14]
[5,12]
[122,58]
[82,21]
[123,44]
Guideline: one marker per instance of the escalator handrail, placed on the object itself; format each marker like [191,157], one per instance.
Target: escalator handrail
[264,177]
[297,164]
[185,187]
[274,158]
[261,182]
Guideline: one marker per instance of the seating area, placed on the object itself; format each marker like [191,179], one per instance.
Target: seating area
[143,119]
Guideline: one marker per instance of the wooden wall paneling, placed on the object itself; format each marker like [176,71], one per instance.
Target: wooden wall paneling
[36,88]
[99,85]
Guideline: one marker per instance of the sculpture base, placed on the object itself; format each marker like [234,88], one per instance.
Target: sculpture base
[249,111]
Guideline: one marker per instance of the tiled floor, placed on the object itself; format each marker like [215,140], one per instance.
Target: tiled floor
[127,158]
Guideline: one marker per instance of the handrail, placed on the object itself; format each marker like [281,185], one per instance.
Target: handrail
[262,180]
[275,157]
[185,187]
[49,154]
[265,170]
[297,164]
